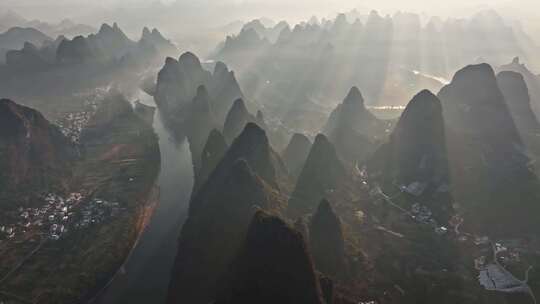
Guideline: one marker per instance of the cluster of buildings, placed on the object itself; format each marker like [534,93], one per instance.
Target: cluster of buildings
[423,215]
[73,123]
[51,218]
[508,253]
[96,211]
[59,213]
[57,216]
[417,212]
[415,188]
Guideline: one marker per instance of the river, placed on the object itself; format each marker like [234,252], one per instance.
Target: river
[145,275]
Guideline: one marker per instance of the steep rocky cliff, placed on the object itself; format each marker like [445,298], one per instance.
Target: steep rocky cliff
[34,153]
[326,241]
[322,174]
[273,266]
[245,178]
[353,129]
[416,150]
[296,153]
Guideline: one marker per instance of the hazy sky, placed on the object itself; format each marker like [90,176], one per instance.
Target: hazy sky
[46,9]
[220,12]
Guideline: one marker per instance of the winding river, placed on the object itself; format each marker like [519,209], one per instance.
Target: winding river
[145,275]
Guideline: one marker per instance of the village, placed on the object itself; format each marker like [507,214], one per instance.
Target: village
[56,218]
[502,265]
[71,124]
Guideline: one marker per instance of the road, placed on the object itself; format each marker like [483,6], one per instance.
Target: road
[388,199]
[17,267]
[26,258]
[523,283]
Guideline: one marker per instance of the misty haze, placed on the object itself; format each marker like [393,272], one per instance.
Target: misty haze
[269,152]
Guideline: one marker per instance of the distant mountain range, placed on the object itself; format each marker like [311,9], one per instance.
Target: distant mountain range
[16,37]
[61,68]
[26,45]
[65,27]
[389,58]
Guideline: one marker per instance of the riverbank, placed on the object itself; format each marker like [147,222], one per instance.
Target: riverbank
[114,182]
[145,275]
[144,218]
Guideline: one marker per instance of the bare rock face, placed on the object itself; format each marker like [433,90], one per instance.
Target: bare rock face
[296,153]
[322,173]
[416,151]
[273,266]
[33,152]
[326,241]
